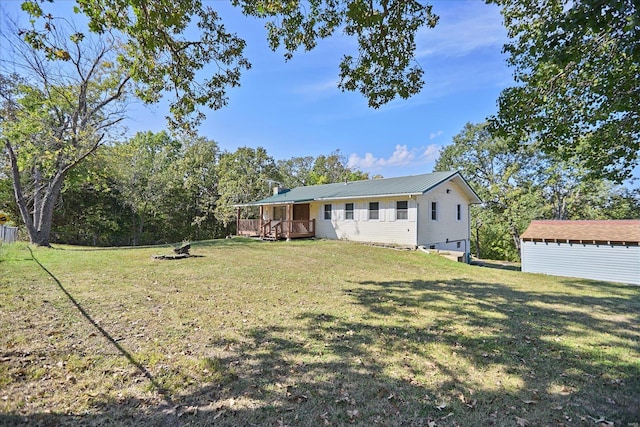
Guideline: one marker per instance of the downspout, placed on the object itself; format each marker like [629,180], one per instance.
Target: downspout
[417,223]
[468,252]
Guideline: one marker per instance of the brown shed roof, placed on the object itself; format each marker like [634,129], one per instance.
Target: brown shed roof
[596,231]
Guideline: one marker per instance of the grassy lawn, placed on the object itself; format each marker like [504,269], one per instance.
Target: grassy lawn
[308,333]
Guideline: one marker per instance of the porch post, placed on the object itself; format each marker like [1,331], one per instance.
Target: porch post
[260,223]
[290,219]
[238,221]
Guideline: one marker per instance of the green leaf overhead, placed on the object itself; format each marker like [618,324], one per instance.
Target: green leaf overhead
[578,68]
[169,47]
[384,67]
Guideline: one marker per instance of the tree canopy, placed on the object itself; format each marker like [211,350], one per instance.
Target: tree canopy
[577,65]
[55,115]
[518,186]
[167,44]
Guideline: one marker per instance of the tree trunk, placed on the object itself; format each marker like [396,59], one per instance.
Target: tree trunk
[45,210]
[39,221]
[516,238]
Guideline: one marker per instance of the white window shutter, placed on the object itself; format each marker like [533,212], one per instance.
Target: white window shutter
[413,211]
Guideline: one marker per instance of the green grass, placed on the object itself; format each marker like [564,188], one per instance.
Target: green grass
[308,333]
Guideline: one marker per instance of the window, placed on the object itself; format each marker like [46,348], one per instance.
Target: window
[374,209]
[402,210]
[279,213]
[459,213]
[348,211]
[434,211]
[327,211]
[458,244]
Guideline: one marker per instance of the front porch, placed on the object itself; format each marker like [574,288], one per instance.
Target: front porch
[278,222]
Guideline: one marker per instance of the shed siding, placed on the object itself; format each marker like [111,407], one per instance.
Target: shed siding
[613,263]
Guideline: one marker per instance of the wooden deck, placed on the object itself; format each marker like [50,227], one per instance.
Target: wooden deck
[276,229]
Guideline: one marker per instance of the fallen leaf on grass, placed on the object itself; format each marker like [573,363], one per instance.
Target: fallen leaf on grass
[345,398]
[298,398]
[470,403]
[521,422]
[325,419]
[530,402]
[566,390]
[441,406]
[353,414]
[601,422]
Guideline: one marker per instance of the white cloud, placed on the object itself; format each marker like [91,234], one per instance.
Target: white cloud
[463,28]
[434,135]
[401,156]
[431,153]
[319,88]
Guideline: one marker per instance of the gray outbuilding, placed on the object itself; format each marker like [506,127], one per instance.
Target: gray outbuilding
[607,250]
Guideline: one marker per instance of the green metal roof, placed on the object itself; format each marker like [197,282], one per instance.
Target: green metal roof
[405,185]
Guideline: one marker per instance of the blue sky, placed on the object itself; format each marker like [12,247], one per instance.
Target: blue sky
[295,108]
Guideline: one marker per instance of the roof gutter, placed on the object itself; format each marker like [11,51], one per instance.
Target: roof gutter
[368,196]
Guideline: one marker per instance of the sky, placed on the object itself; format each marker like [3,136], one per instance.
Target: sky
[295,109]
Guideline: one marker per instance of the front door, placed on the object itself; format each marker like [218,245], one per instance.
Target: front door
[301,212]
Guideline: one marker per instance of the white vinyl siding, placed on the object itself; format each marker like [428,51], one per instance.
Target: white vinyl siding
[417,229]
[611,263]
[385,230]
[446,231]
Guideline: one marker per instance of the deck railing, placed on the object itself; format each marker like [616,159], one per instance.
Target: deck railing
[248,227]
[277,229]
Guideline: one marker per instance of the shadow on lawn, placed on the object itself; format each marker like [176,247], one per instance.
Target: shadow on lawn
[144,371]
[329,369]
[216,243]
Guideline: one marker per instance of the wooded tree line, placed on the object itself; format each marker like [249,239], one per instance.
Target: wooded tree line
[571,123]
[155,188]
[523,184]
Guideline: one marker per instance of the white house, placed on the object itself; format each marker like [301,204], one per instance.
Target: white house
[606,250]
[430,210]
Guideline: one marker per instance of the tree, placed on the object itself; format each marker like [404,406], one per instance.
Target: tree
[577,64]
[164,59]
[55,116]
[501,178]
[245,175]
[324,169]
[384,29]
[517,187]
[194,190]
[143,176]
[333,168]
[296,171]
